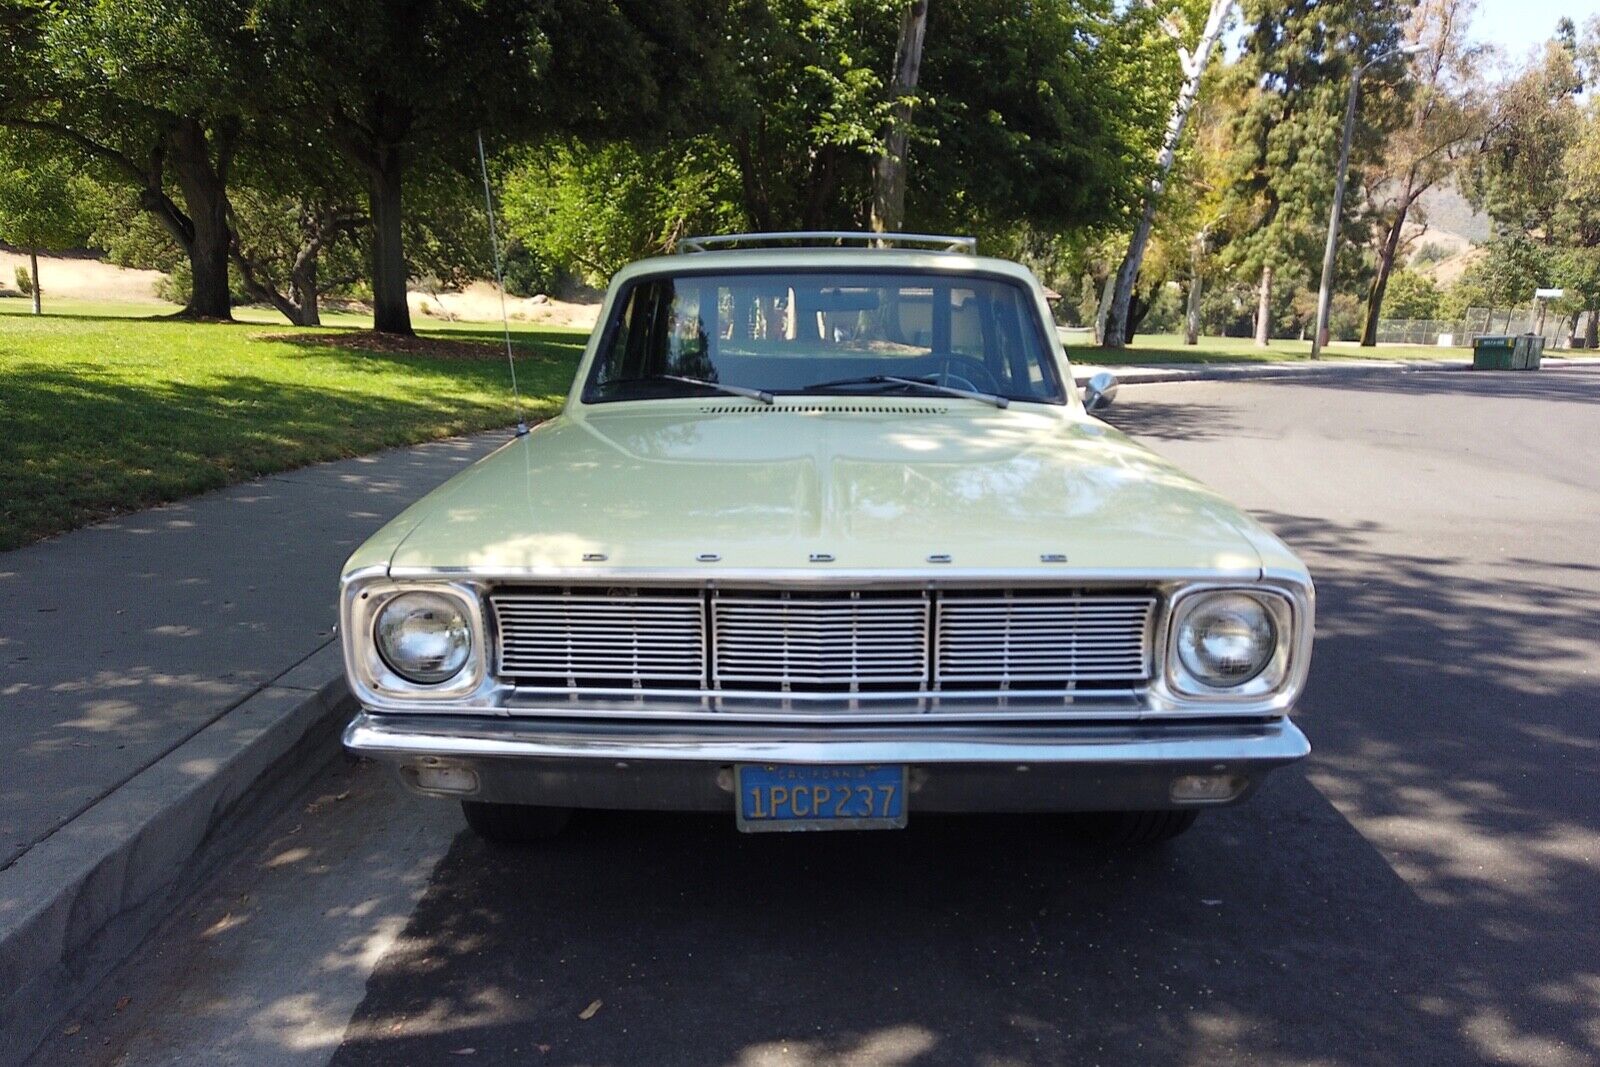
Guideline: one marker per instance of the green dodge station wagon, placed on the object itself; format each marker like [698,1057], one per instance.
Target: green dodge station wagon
[825,538]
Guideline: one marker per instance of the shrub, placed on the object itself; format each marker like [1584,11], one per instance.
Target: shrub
[1411,296]
[24,281]
[1166,310]
[176,285]
[525,273]
[1431,252]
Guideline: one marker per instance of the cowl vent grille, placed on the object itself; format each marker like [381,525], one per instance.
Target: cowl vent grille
[822,409]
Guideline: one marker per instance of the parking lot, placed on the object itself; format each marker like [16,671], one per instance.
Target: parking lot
[1423,889]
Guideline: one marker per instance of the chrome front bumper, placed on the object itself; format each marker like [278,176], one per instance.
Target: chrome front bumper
[689,767]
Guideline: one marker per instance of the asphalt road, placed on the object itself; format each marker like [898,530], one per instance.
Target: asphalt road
[1424,889]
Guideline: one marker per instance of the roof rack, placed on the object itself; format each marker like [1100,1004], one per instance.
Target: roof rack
[832,238]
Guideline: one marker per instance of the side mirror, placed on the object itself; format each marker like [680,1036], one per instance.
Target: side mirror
[1100,391]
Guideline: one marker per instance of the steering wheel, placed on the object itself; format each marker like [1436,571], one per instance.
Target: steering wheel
[973,375]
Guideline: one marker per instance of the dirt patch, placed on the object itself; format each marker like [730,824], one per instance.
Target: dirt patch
[389,344]
[82,278]
[480,302]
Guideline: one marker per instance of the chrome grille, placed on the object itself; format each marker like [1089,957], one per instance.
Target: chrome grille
[944,642]
[1038,641]
[605,637]
[834,642]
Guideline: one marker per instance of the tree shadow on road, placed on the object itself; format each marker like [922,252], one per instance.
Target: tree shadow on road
[1438,909]
[1571,384]
[1196,421]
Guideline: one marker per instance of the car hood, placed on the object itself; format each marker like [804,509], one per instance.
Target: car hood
[847,486]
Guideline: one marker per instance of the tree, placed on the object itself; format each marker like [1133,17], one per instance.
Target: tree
[1444,117]
[1294,69]
[1534,120]
[889,172]
[1046,113]
[283,244]
[1412,296]
[1575,223]
[1193,219]
[1041,112]
[41,206]
[1193,63]
[402,87]
[590,210]
[149,93]
[1537,174]
[1511,267]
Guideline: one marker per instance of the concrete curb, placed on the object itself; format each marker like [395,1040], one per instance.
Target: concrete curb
[1216,372]
[77,903]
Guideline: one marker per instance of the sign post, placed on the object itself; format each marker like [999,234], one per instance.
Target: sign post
[1540,299]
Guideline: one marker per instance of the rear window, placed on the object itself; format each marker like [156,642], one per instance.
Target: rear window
[797,332]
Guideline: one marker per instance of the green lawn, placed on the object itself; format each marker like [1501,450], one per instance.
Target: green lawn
[1169,348]
[105,412]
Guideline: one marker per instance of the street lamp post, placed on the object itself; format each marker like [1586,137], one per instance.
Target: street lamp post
[1319,337]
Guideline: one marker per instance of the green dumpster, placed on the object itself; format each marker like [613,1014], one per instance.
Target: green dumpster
[1519,352]
[1527,351]
[1492,352]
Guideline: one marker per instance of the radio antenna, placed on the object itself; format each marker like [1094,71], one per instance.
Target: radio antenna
[500,281]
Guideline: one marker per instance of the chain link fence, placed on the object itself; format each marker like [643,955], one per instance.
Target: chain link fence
[1559,330]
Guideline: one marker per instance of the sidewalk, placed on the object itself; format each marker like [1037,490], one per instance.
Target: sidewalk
[152,669]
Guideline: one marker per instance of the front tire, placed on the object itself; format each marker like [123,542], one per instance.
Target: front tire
[1135,829]
[514,824]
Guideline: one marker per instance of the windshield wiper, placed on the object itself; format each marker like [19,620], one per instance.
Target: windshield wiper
[890,379]
[732,390]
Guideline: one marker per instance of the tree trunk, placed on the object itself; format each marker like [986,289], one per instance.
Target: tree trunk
[1137,310]
[1264,310]
[33,266]
[1591,329]
[889,172]
[390,313]
[1386,258]
[303,281]
[823,182]
[1194,67]
[205,194]
[1191,314]
[1103,310]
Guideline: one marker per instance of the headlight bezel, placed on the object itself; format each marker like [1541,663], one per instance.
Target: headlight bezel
[373,679]
[1283,673]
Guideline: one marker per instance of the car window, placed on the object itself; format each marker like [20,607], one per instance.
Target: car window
[794,332]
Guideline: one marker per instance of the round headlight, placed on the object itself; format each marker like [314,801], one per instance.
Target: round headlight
[1226,640]
[423,637]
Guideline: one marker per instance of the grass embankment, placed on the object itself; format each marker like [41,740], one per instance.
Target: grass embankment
[1169,348]
[106,413]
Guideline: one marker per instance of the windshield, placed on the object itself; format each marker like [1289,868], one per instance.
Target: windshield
[824,332]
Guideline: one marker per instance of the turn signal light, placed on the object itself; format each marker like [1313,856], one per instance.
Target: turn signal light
[446,779]
[1207,788]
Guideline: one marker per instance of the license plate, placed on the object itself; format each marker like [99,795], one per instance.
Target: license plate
[805,796]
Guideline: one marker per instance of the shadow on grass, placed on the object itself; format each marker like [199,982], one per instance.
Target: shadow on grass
[562,338]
